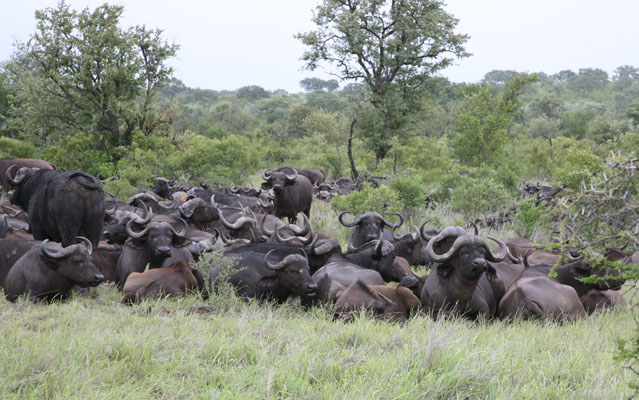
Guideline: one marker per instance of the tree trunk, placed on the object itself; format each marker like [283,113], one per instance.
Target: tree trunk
[354,173]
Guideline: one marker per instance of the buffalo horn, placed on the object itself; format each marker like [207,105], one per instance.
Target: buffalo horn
[85,242]
[234,189]
[379,248]
[185,213]
[502,246]
[135,235]
[348,224]
[237,225]
[266,174]
[272,266]
[397,225]
[171,206]
[115,203]
[54,254]
[422,233]
[181,233]
[311,246]
[386,299]
[213,203]
[263,228]
[304,231]
[148,214]
[13,181]
[292,178]
[475,227]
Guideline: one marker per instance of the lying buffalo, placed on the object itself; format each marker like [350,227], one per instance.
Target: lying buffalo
[384,302]
[266,271]
[157,245]
[61,204]
[597,300]
[174,280]
[50,271]
[462,281]
[5,163]
[293,193]
[538,297]
[367,227]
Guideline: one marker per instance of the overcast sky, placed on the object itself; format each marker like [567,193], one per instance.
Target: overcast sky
[230,44]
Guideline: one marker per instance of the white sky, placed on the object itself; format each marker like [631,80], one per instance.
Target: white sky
[229,44]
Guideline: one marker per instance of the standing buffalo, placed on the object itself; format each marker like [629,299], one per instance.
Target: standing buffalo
[293,193]
[5,163]
[61,204]
[48,271]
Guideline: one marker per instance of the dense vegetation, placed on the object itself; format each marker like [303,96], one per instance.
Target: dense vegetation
[447,151]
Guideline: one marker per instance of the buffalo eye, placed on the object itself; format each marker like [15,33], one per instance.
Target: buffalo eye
[301,271]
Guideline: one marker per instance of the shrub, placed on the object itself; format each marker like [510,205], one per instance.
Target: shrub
[382,199]
[16,148]
[478,196]
[528,216]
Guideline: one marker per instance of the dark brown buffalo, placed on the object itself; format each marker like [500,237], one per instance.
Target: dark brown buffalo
[266,271]
[106,257]
[163,187]
[597,300]
[11,250]
[538,297]
[325,191]
[293,193]
[316,176]
[8,229]
[153,202]
[462,281]
[175,280]
[61,204]
[49,271]
[367,227]
[384,302]
[5,163]
[157,245]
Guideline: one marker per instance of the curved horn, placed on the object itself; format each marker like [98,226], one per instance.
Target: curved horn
[262,226]
[291,178]
[54,254]
[393,226]
[386,299]
[181,233]
[171,206]
[12,181]
[497,257]
[395,235]
[476,229]
[348,224]
[115,203]
[379,248]
[234,189]
[271,266]
[304,231]
[423,234]
[311,246]
[86,243]
[148,214]
[266,174]
[186,214]
[213,203]
[442,258]
[236,226]
[135,235]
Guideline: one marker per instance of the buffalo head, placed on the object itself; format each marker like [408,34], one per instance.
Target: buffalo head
[158,237]
[278,180]
[367,226]
[292,273]
[72,262]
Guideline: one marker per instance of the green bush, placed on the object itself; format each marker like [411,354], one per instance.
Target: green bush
[382,199]
[475,197]
[528,216]
[576,165]
[16,148]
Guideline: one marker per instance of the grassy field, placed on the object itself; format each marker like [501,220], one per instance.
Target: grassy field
[223,348]
[96,347]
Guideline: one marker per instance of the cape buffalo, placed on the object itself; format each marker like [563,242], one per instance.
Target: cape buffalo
[157,245]
[367,226]
[293,193]
[49,271]
[174,280]
[61,204]
[384,302]
[5,163]
[463,281]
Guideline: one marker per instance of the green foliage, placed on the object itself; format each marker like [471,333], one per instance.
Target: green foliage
[82,78]
[475,197]
[576,165]
[382,199]
[17,148]
[410,193]
[529,216]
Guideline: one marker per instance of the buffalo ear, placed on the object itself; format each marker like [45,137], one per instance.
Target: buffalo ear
[266,185]
[268,282]
[179,242]
[50,262]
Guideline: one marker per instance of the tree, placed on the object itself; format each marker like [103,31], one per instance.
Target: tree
[481,127]
[317,84]
[252,93]
[82,74]
[390,46]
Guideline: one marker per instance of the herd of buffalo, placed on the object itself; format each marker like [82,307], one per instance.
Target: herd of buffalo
[60,232]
